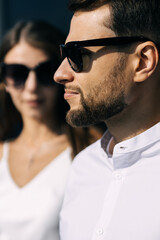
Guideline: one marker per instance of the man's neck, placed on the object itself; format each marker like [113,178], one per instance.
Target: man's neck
[123,128]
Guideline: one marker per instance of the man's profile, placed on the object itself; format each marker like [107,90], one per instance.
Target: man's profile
[111,73]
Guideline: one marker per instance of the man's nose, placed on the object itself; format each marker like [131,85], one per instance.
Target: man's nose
[64,73]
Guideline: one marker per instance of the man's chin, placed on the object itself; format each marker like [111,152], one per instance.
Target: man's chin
[91,115]
[77,118]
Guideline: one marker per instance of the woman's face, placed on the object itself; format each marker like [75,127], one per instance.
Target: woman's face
[33,99]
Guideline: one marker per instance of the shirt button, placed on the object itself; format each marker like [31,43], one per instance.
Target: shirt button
[100,231]
[118,176]
[122,147]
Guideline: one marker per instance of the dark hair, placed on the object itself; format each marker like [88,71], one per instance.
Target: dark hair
[128,17]
[41,35]
[46,37]
[37,33]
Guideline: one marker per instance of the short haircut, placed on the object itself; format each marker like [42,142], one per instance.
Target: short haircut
[128,17]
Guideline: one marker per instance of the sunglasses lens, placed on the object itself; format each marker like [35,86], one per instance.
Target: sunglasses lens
[73,55]
[14,74]
[45,72]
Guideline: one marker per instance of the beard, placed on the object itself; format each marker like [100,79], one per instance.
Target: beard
[92,114]
[103,102]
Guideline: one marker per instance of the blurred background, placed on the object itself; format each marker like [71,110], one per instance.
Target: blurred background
[52,11]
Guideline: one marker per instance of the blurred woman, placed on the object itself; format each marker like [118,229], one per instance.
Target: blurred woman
[37,145]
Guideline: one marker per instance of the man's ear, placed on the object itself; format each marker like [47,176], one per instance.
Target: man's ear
[148,57]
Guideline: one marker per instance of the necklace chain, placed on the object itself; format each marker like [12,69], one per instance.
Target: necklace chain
[40,149]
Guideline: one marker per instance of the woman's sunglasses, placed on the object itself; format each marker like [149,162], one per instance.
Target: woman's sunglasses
[74,54]
[18,73]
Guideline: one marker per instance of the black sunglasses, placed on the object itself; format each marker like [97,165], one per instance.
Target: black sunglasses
[73,50]
[18,73]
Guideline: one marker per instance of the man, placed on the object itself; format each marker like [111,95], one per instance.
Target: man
[111,73]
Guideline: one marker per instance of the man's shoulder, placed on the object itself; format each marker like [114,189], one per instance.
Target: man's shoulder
[94,146]
[90,151]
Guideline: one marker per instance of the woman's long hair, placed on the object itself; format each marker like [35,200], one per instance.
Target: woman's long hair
[47,38]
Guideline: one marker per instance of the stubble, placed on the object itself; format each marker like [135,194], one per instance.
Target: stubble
[102,102]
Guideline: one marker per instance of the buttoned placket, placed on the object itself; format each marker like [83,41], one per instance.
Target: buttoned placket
[118,178]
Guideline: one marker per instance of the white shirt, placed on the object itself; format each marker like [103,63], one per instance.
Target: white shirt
[32,212]
[118,199]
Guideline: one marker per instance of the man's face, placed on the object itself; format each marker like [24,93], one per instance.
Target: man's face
[99,91]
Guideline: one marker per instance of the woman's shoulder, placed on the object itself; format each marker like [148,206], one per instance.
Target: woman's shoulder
[1,149]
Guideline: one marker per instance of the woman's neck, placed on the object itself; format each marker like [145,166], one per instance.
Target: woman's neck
[35,132]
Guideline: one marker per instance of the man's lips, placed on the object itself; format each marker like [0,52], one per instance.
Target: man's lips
[69,93]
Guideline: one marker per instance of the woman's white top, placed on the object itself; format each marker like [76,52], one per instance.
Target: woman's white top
[32,212]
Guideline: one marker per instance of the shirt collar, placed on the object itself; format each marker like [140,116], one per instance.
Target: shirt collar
[125,152]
